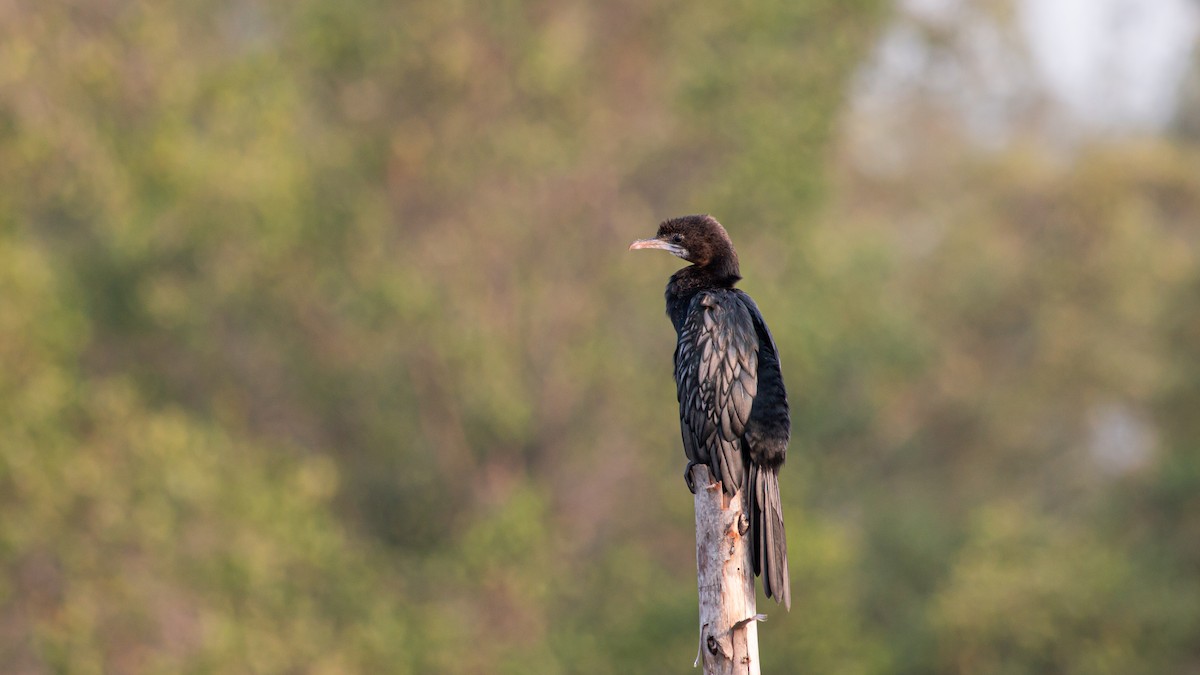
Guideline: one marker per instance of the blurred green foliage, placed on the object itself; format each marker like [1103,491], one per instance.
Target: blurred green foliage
[320,350]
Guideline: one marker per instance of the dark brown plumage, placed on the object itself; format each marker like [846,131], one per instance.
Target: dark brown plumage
[733,408]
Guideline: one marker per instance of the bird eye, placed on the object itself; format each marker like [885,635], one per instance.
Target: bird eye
[676,238]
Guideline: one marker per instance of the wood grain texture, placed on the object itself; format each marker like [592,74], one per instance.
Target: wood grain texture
[725,575]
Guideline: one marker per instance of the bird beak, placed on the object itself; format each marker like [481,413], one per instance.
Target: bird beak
[663,244]
[648,243]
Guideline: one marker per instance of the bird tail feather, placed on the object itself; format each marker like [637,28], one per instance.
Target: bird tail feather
[768,537]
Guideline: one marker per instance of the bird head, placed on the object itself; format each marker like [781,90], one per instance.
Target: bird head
[699,239]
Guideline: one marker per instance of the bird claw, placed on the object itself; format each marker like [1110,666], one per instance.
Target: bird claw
[687,477]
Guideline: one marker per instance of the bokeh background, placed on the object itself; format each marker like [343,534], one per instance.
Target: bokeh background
[321,350]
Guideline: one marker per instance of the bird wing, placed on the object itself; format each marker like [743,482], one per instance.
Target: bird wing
[716,373]
[769,428]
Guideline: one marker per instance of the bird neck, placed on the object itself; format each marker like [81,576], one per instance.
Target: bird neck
[687,282]
[720,272]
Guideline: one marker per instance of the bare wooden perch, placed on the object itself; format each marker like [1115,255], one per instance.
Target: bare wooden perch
[728,621]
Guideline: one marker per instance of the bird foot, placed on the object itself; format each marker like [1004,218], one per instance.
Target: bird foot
[687,477]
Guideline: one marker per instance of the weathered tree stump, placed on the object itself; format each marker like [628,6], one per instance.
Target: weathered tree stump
[728,621]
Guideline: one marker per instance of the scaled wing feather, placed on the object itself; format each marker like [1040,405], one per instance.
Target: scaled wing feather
[716,371]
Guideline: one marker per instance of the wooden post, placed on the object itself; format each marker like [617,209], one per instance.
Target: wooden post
[728,622]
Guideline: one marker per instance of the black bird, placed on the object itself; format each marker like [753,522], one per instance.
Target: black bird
[733,408]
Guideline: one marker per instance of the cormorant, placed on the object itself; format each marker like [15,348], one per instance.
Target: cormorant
[733,408]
